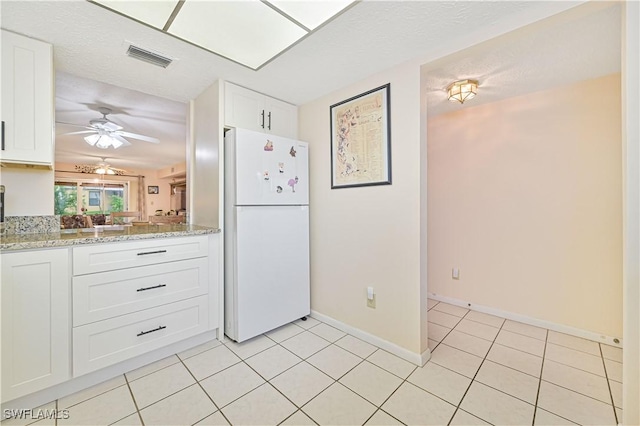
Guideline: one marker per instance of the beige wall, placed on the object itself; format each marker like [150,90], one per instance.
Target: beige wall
[369,236]
[525,197]
[29,192]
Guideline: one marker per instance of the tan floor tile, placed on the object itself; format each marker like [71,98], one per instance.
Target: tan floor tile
[298,419]
[462,418]
[210,362]
[151,368]
[574,358]
[391,363]
[576,380]
[85,394]
[509,381]
[516,359]
[132,420]
[230,384]
[33,418]
[327,332]
[477,329]
[310,322]
[496,407]
[334,361]
[521,342]
[183,408]
[262,406]
[432,344]
[441,382]
[155,386]
[525,329]
[619,415]
[616,393]
[283,333]
[199,349]
[468,343]
[337,405]
[614,370]
[487,319]
[104,409]
[443,319]
[437,332]
[305,344]
[371,382]
[431,303]
[545,418]
[574,406]
[574,342]
[611,352]
[414,406]
[380,418]
[451,309]
[250,347]
[272,361]
[216,419]
[356,346]
[301,383]
[456,360]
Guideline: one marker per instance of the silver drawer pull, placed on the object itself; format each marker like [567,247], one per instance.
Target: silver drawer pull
[142,333]
[152,252]
[151,288]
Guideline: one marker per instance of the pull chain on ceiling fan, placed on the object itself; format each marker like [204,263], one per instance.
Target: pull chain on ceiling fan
[106,133]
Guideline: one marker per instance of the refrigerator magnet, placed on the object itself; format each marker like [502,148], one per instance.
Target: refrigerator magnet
[281,167]
[292,152]
[292,183]
[279,189]
[268,146]
[265,175]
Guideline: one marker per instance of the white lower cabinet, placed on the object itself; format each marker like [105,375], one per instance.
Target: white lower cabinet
[117,339]
[36,323]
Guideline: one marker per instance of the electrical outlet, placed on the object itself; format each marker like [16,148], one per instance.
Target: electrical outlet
[371,303]
[455,273]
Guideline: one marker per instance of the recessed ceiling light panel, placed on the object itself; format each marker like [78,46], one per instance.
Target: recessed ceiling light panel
[248,32]
[311,14]
[152,12]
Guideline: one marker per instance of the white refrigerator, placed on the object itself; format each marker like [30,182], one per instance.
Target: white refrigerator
[266,232]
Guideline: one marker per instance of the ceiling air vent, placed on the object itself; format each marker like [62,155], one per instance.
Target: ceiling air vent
[147,56]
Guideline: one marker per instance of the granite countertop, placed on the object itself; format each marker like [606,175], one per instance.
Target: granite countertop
[72,237]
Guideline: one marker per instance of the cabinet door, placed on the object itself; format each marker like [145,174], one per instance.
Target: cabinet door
[244,108]
[27,100]
[282,118]
[35,321]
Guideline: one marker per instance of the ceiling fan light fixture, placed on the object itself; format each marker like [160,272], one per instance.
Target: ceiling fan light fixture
[462,90]
[102,141]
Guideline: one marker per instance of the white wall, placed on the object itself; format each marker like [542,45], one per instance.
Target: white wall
[29,192]
[369,236]
[525,197]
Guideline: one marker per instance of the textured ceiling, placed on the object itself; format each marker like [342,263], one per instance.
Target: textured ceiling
[77,102]
[90,43]
[579,44]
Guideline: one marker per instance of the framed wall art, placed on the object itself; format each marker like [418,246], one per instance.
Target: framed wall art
[361,140]
[153,190]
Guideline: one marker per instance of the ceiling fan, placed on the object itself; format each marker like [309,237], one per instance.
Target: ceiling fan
[106,133]
[101,168]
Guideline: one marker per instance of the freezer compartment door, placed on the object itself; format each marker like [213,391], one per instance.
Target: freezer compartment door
[270,170]
[272,252]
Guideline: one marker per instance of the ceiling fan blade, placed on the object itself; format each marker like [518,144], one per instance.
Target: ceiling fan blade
[111,126]
[119,138]
[141,137]
[74,125]
[81,132]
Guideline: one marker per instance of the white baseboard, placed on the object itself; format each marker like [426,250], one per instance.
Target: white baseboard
[412,357]
[560,328]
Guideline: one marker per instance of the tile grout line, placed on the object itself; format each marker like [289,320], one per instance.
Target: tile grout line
[606,375]
[474,378]
[544,353]
[135,403]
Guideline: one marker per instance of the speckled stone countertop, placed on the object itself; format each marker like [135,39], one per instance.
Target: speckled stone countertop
[72,237]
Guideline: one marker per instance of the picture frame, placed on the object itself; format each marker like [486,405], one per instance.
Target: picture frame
[361,139]
[153,189]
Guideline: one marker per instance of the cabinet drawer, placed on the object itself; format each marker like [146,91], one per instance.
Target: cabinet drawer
[108,294]
[107,257]
[108,342]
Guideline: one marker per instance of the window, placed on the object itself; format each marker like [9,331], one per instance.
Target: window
[94,198]
[84,197]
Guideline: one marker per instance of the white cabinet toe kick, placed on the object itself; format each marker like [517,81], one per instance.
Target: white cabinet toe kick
[117,306]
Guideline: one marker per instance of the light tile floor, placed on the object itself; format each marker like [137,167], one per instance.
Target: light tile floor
[483,370]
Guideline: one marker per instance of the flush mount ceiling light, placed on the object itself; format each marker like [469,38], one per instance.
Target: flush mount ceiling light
[462,90]
[251,33]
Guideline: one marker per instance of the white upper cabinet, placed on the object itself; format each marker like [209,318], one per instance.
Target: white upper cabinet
[246,109]
[27,101]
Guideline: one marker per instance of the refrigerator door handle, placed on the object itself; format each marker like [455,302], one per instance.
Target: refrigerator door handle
[269,126]
[262,125]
